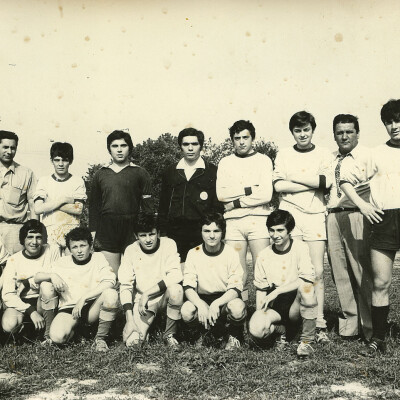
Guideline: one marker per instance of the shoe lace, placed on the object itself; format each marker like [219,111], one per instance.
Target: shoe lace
[234,341]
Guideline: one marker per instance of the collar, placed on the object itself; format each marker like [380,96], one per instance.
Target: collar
[245,155]
[10,168]
[109,164]
[150,251]
[84,262]
[207,253]
[61,180]
[276,251]
[390,144]
[33,257]
[304,150]
[198,164]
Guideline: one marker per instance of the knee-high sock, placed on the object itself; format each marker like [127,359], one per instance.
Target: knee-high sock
[173,316]
[106,318]
[379,321]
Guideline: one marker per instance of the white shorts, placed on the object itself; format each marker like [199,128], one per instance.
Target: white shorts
[311,227]
[251,227]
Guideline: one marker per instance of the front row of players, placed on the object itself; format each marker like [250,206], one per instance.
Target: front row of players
[58,293]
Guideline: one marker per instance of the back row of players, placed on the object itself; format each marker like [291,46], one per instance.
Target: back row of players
[360,221]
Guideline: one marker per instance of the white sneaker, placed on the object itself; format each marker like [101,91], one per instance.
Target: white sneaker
[100,345]
[321,336]
[171,341]
[232,343]
[305,350]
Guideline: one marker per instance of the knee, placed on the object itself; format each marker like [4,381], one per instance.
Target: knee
[47,290]
[9,325]
[175,294]
[380,284]
[236,309]
[188,311]
[319,272]
[59,335]
[110,298]
[259,326]
[307,294]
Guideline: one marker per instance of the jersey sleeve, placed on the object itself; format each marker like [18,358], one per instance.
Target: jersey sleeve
[126,277]
[106,273]
[172,265]
[147,202]
[41,192]
[165,198]
[95,201]
[260,277]
[189,273]
[235,278]
[10,290]
[280,171]
[262,193]
[227,189]
[80,191]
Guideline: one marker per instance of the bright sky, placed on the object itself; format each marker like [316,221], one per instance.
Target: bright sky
[76,70]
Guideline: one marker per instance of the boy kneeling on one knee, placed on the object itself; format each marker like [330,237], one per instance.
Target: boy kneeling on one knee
[284,277]
[83,286]
[213,282]
[150,276]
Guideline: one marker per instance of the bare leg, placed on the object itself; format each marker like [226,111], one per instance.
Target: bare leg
[114,259]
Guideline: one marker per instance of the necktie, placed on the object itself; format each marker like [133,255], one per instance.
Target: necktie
[337,173]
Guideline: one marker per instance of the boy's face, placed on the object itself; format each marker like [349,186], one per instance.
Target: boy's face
[346,137]
[242,142]
[148,240]
[190,148]
[119,151]
[212,236]
[33,243]
[303,136]
[61,166]
[393,129]
[8,148]
[80,249]
[279,235]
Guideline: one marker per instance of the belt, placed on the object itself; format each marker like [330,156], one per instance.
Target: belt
[340,209]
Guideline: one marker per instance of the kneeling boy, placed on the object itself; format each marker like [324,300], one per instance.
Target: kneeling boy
[213,282]
[284,277]
[150,276]
[20,292]
[84,284]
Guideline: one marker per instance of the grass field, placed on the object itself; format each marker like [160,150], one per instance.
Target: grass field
[30,371]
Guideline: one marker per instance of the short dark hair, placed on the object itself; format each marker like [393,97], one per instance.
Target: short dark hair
[390,111]
[240,126]
[191,132]
[301,119]
[77,234]
[346,119]
[63,150]
[8,135]
[281,217]
[35,226]
[115,135]
[145,223]
[216,217]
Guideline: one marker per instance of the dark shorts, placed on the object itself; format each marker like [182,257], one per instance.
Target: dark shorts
[84,312]
[386,234]
[186,236]
[283,303]
[114,233]
[32,302]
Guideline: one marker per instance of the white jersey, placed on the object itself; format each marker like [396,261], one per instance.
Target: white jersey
[18,276]
[314,161]
[147,269]
[209,273]
[81,278]
[247,179]
[49,188]
[281,268]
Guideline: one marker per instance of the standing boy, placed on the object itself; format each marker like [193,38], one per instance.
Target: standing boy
[151,268]
[213,282]
[17,186]
[284,278]
[119,190]
[301,177]
[60,197]
[187,193]
[83,283]
[20,292]
[383,211]
[244,185]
